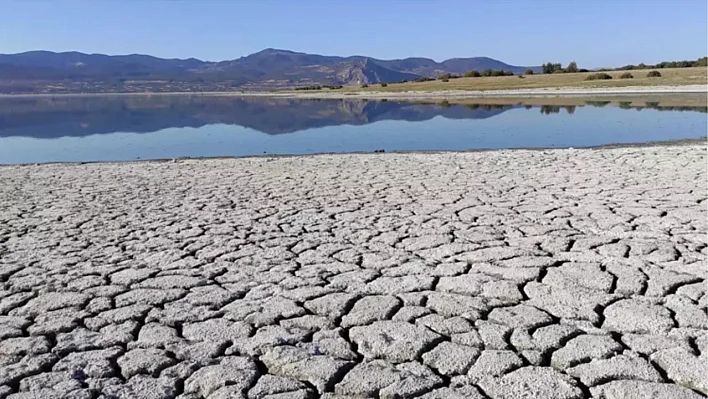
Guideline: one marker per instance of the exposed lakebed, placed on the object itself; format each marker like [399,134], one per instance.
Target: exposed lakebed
[117,128]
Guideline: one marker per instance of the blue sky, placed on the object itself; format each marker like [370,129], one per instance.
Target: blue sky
[593,33]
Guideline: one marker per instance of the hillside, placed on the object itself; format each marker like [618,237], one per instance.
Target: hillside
[270,68]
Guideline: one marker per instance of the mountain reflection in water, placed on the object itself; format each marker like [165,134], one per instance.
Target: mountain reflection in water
[54,117]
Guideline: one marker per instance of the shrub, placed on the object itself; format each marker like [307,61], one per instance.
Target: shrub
[653,74]
[487,72]
[364,86]
[521,76]
[445,76]
[445,80]
[626,75]
[528,72]
[472,74]
[384,84]
[598,76]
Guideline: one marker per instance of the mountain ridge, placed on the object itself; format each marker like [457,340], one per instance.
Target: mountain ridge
[268,68]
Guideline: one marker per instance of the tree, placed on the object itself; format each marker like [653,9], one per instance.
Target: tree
[487,72]
[572,67]
[472,74]
[551,67]
[529,72]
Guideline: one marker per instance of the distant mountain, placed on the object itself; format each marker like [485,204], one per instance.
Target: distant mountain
[270,68]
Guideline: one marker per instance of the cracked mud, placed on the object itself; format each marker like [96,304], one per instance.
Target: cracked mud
[535,274]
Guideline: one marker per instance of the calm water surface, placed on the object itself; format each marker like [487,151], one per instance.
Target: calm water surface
[155,127]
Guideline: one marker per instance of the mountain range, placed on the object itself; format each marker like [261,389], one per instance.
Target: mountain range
[269,68]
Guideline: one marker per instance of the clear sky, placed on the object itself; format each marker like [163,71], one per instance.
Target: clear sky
[595,33]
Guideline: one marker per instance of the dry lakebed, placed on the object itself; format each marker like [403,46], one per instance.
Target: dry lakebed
[503,274]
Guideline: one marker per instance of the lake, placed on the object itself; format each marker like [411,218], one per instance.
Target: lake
[116,128]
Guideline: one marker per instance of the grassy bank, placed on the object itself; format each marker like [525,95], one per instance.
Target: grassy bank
[669,77]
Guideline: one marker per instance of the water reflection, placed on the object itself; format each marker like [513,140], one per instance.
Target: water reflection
[53,117]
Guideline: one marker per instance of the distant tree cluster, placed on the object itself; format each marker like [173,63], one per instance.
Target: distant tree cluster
[528,72]
[448,76]
[309,88]
[701,62]
[556,67]
[551,67]
[488,72]
[318,87]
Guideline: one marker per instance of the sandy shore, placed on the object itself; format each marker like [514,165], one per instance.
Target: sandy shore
[412,95]
[542,274]
[462,94]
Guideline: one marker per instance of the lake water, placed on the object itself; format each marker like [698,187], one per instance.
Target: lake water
[44,129]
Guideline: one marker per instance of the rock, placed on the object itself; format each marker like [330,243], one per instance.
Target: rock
[297,363]
[621,367]
[494,335]
[648,344]
[641,390]
[584,348]
[24,367]
[493,363]
[445,326]
[332,305]
[532,383]
[397,285]
[379,378]
[520,316]
[450,358]
[370,309]
[21,346]
[143,387]
[143,361]
[216,330]
[636,316]
[684,368]
[95,364]
[466,392]
[270,385]
[394,341]
[237,372]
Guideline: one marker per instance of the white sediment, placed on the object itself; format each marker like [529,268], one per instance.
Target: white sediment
[501,274]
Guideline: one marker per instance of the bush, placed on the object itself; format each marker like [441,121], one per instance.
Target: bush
[384,84]
[626,75]
[472,74]
[444,76]
[521,76]
[598,76]
[364,86]
[445,80]
[653,74]
[528,72]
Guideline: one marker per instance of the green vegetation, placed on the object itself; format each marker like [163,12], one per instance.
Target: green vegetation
[654,74]
[551,67]
[528,72]
[364,86]
[572,67]
[598,76]
[472,74]
[626,75]
[383,84]
[701,62]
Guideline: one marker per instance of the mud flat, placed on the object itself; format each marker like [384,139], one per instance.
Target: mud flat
[502,274]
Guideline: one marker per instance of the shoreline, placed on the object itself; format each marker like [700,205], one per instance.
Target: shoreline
[692,142]
[457,94]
